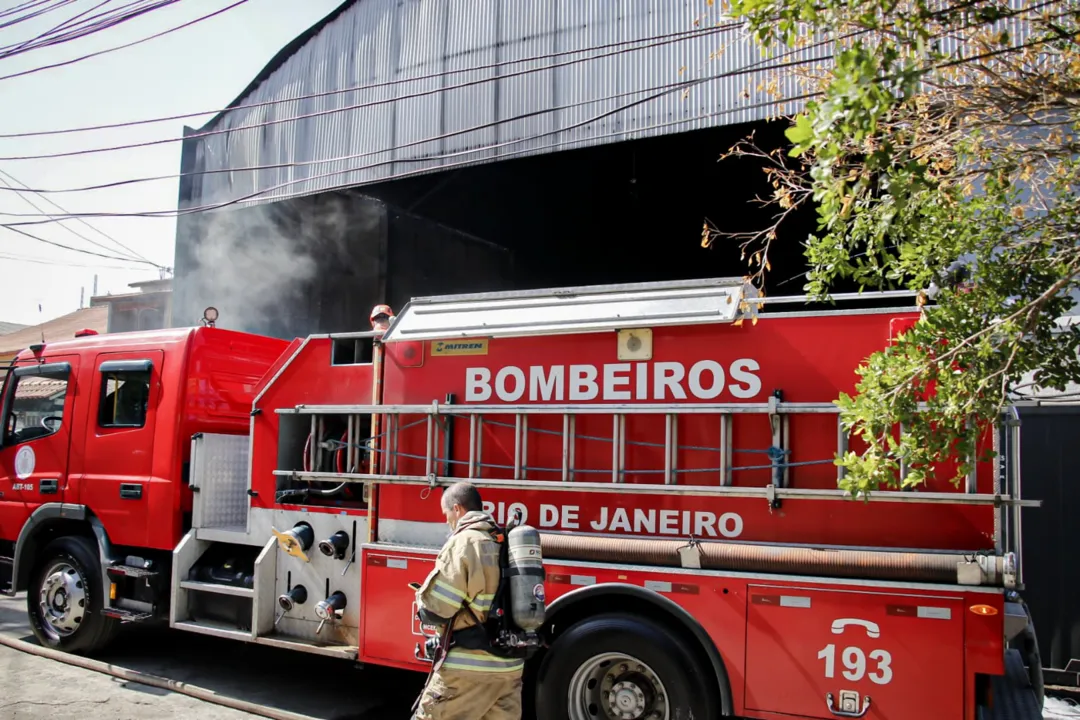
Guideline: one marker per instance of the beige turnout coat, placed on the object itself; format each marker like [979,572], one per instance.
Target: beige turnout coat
[466,571]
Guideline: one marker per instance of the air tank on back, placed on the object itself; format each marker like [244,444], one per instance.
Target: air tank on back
[527,598]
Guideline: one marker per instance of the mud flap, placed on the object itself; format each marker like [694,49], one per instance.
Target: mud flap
[1012,695]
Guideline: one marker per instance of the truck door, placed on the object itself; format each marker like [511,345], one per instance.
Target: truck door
[37,411]
[117,482]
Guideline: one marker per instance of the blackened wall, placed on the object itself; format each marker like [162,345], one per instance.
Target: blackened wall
[625,212]
[320,263]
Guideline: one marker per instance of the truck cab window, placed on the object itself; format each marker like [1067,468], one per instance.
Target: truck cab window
[36,408]
[124,397]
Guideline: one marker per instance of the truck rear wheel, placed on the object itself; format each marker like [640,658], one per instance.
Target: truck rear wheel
[622,667]
[65,598]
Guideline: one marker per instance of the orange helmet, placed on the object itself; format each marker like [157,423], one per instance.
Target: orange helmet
[381,315]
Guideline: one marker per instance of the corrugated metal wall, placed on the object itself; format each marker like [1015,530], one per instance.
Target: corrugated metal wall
[1050,467]
[418,113]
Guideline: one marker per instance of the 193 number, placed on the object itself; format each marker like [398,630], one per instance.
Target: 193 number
[854,661]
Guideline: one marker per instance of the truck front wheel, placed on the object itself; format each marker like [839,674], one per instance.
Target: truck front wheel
[65,598]
[622,667]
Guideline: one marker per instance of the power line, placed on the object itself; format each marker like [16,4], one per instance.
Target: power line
[682,85]
[35,14]
[330,111]
[82,26]
[355,156]
[43,261]
[93,24]
[398,176]
[134,255]
[73,249]
[126,45]
[320,113]
[29,4]
[667,39]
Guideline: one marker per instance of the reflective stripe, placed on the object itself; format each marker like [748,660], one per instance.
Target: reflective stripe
[482,601]
[447,594]
[453,591]
[458,659]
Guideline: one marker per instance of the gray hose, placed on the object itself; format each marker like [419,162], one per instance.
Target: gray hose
[152,680]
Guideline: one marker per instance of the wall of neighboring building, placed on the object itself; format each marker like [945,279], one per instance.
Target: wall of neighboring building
[61,328]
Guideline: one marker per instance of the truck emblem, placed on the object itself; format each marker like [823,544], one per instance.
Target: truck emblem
[25,462]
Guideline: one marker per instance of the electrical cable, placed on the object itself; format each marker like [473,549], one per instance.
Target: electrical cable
[93,24]
[671,38]
[24,43]
[29,4]
[74,249]
[126,45]
[134,255]
[35,14]
[463,163]
[355,156]
[682,85]
[60,263]
[308,116]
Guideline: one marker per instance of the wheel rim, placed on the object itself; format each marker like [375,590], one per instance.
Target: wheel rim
[614,686]
[62,600]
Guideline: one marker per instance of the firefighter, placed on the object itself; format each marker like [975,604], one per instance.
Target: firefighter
[466,682]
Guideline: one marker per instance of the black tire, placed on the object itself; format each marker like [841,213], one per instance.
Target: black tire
[93,631]
[689,690]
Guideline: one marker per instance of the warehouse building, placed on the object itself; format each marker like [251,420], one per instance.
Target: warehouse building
[476,145]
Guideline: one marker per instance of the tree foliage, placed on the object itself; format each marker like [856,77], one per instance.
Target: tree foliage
[940,149]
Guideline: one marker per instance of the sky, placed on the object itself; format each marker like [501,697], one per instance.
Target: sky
[199,68]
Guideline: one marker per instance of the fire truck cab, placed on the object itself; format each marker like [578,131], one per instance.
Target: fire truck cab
[94,459]
[673,443]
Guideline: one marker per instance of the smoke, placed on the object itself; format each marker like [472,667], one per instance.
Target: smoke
[261,266]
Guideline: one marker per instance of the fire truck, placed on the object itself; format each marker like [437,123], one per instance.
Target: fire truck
[673,443]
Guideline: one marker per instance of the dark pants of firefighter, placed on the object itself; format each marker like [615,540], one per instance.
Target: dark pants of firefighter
[453,694]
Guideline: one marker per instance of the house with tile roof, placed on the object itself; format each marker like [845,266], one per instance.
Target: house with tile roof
[95,319]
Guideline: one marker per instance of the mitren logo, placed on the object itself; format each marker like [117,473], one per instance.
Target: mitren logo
[705,380]
[639,521]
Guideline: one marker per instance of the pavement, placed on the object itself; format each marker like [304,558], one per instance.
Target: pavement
[312,685]
[324,688]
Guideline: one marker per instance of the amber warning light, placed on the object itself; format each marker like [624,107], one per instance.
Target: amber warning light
[983,609]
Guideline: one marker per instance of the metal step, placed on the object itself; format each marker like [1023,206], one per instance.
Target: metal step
[130,571]
[126,616]
[345,652]
[214,629]
[217,589]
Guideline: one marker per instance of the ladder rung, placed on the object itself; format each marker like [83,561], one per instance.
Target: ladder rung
[841,447]
[566,439]
[430,455]
[618,447]
[725,449]
[572,436]
[671,447]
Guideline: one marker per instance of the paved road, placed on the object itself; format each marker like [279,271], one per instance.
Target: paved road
[321,687]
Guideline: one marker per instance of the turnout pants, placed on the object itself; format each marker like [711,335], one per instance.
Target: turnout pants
[452,694]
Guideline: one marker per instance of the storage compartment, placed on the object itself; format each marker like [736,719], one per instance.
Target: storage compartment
[808,648]
[390,630]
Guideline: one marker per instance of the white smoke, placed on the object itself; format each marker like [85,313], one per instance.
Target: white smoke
[259,265]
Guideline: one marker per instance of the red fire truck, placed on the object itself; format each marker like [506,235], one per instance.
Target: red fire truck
[673,443]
